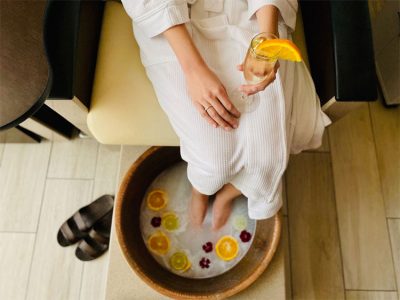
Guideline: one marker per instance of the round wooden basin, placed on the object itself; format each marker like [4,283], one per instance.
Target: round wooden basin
[133,187]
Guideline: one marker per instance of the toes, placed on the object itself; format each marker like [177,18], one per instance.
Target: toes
[197,217]
[221,212]
[218,222]
[198,209]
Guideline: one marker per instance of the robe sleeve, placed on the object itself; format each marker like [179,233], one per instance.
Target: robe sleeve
[287,9]
[155,16]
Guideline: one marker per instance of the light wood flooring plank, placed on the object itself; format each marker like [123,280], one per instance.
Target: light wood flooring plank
[128,156]
[386,129]
[73,159]
[394,231]
[2,141]
[371,295]
[94,276]
[314,242]
[1,152]
[22,179]
[364,237]
[108,162]
[107,167]
[56,272]
[15,260]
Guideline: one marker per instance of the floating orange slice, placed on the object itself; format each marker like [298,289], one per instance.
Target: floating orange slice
[179,261]
[158,243]
[157,199]
[227,248]
[170,221]
[278,48]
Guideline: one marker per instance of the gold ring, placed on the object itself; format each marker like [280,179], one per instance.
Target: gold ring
[207,107]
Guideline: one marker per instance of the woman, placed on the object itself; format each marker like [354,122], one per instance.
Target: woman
[192,52]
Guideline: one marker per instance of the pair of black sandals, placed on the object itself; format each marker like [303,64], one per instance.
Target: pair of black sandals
[91,227]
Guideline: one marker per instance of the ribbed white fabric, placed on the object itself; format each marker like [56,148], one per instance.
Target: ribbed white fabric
[254,156]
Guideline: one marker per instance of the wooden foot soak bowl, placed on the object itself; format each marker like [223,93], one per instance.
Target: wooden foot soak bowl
[127,220]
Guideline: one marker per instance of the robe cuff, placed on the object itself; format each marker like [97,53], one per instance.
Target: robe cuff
[163,17]
[287,9]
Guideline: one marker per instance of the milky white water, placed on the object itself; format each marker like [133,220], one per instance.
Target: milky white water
[188,239]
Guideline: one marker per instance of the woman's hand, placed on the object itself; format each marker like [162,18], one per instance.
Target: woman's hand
[250,89]
[267,19]
[206,90]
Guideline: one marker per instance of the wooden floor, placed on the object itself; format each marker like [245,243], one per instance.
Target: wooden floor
[342,213]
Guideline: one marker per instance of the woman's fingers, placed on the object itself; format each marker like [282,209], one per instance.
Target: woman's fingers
[229,121]
[250,89]
[205,114]
[223,98]
[217,118]
[222,113]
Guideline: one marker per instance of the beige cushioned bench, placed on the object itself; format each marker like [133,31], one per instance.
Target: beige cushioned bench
[124,108]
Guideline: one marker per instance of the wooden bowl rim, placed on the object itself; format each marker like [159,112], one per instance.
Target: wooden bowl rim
[173,294]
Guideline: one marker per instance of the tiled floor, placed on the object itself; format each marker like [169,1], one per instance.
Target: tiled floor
[342,212]
[41,185]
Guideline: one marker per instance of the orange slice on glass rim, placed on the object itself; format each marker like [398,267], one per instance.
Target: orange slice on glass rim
[170,221]
[157,199]
[179,262]
[159,243]
[277,48]
[227,248]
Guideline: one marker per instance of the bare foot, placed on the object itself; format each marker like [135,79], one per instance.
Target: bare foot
[223,204]
[198,207]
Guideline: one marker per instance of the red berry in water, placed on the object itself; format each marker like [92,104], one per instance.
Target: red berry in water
[207,247]
[245,236]
[204,263]
[156,221]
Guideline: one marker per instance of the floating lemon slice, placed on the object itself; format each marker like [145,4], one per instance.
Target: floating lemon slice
[170,221]
[277,48]
[157,199]
[179,261]
[227,247]
[239,222]
[158,243]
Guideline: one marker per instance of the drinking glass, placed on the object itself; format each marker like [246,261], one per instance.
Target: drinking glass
[257,66]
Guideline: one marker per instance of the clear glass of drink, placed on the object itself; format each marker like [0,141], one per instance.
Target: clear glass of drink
[257,66]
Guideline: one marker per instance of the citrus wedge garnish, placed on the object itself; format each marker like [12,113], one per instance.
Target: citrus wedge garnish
[227,248]
[158,243]
[278,48]
[157,199]
[179,261]
[170,221]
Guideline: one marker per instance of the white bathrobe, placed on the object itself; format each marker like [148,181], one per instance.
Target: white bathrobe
[284,118]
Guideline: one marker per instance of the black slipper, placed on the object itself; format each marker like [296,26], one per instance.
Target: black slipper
[77,226]
[96,242]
